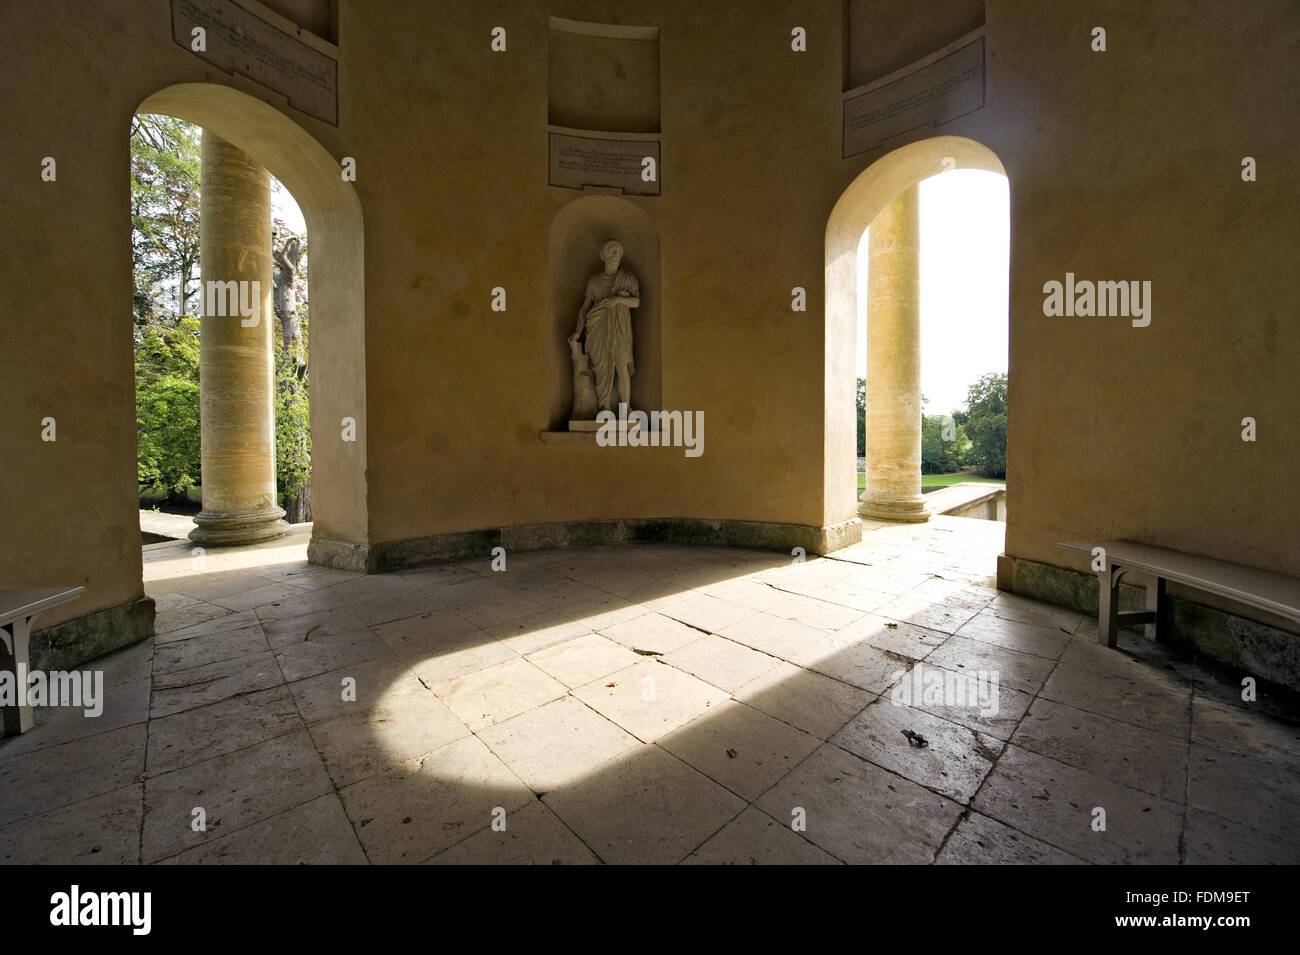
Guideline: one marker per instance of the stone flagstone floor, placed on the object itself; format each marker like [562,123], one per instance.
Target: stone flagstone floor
[644,704]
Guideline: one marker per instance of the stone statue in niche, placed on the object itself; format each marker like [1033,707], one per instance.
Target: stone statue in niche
[602,358]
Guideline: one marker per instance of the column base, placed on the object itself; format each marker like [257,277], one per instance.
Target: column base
[218,529]
[909,512]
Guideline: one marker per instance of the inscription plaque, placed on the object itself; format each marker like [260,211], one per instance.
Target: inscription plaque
[239,42]
[577,161]
[940,90]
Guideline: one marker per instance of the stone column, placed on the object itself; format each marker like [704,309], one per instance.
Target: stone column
[236,361]
[893,485]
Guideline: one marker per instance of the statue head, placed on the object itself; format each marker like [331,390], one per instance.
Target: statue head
[611,253]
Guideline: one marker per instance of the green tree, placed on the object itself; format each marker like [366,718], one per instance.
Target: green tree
[292,437]
[164,217]
[167,406]
[985,423]
[165,252]
[944,444]
[165,256]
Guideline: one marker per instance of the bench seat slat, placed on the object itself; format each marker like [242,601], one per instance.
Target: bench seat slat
[1259,588]
[18,609]
[24,603]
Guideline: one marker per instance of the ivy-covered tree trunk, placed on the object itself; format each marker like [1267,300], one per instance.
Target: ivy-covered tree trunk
[292,422]
[287,259]
[297,506]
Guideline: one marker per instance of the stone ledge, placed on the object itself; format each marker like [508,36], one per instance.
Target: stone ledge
[74,642]
[760,535]
[341,555]
[955,499]
[1255,647]
[588,438]
[568,438]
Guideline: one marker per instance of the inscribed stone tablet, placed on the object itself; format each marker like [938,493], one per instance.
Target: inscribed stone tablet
[942,89]
[578,161]
[239,42]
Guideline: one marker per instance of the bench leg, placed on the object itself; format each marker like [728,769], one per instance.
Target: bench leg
[1108,605]
[14,639]
[1155,604]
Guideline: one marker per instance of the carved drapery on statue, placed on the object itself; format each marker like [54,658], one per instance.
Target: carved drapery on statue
[603,362]
[609,333]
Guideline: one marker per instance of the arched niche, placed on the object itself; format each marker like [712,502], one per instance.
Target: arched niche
[337,345]
[603,76]
[573,256]
[865,196]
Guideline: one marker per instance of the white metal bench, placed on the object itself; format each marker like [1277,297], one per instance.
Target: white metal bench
[1261,589]
[18,608]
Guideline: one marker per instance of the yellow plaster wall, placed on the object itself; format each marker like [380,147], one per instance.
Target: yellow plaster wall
[1123,165]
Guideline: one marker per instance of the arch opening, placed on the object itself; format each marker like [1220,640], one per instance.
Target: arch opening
[336,346]
[874,189]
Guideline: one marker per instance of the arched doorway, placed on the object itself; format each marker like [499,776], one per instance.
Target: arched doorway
[871,192]
[332,212]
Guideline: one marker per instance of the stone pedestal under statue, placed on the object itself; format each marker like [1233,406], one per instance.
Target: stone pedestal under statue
[236,362]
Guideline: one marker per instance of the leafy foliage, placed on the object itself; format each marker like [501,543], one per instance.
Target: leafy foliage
[292,421]
[976,437]
[165,304]
[985,423]
[944,445]
[167,405]
[164,217]
[165,255]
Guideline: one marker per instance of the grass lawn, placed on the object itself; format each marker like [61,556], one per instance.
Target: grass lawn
[943,480]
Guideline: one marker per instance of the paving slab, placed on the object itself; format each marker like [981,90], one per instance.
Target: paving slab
[558,744]
[754,838]
[1020,671]
[234,791]
[806,700]
[532,835]
[432,802]
[981,840]
[497,693]
[740,747]
[649,808]
[101,830]
[1056,803]
[186,689]
[860,813]
[583,659]
[54,776]
[1119,751]
[407,721]
[946,757]
[650,699]
[199,734]
[316,833]
[725,663]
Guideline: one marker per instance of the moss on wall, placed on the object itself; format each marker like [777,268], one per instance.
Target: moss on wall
[74,642]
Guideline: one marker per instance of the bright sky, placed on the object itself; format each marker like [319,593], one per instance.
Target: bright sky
[284,207]
[965,248]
